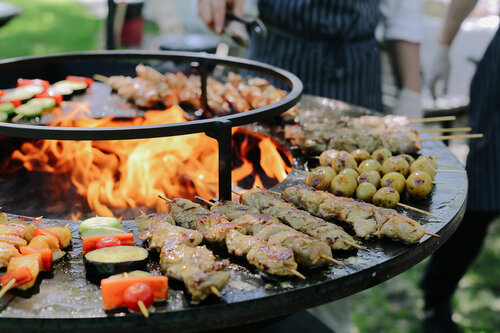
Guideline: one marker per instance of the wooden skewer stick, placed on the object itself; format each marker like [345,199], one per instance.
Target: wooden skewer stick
[439,182]
[359,247]
[431,234]
[330,259]
[238,194]
[164,198]
[451,171]
[301,171]
[445,130]
[7,287]
[208,202]
[17,117]
[143,309]
[458,136]
[432,119]
[101,78]
[296,273]
[445,165]
[215,291]
[419,210]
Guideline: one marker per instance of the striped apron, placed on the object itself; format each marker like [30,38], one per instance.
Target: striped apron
[483,161]
[329,44]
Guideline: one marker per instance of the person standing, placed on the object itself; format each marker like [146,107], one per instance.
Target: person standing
[331,46]
[450,262]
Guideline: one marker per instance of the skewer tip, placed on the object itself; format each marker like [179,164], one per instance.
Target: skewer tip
[143,309]
[215,291]
[419,210]
[297,273]
[7,287]
[164,198]
[238,194]
[353,244]
[335,261]
[431,234]
[208,202]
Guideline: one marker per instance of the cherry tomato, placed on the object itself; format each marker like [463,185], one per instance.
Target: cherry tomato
[138,292]
[107,241]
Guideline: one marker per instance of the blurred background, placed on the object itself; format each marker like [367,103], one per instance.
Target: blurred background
[40,27]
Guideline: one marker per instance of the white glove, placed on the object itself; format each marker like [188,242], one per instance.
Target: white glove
[439,71]
[408,104]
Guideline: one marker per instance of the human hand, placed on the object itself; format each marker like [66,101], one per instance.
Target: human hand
[439,71]
[408,104]
[213,12]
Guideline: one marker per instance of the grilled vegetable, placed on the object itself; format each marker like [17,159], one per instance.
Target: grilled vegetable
[394,180]
[45,103]
[98,222]
[370,164]
[7,108]
[22,275]
[37,82]
[344,185]
[360,155]
[114,287]
[138,292]
[369,176]
[78,87]
[321,177]
[419,184]
[423,165]
[395,164]
[90,242]
[47,242]
[29,110]
[29,260]
[63,234]
[46,256]
[381,154]
[386,197]
[88,81]
[102,231]
[107,261]
[365,192]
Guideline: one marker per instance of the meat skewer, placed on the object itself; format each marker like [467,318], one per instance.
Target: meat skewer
[181,258]
[272,204]
[367,220]
[307,250]
[151,88]
[272,259]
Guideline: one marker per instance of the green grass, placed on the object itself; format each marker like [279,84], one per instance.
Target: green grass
[396,305]
[49,26]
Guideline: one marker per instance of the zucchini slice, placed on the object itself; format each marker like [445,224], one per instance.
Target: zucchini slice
[4,117]
[17,94]
[7,108]
[96,223]
[45,103]
[109,261]
[29,110]
[76,86]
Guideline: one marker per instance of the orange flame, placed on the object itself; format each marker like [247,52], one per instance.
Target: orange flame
[131,173]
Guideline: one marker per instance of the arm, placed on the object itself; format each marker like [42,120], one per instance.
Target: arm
[406,58]
[439,69]
[403,32]
[457,12]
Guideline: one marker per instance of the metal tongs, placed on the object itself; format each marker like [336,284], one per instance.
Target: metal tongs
[251,24]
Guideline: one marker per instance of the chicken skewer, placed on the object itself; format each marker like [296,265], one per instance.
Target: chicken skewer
[366,219]
[307,250]
[271,259]
[272,204]
[181,258]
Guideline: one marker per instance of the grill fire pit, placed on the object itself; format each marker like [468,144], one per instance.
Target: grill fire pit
[68,301]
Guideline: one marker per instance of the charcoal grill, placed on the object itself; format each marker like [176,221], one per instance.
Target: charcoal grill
[68,301]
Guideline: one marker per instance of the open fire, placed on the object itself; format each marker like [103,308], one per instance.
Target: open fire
[116,175]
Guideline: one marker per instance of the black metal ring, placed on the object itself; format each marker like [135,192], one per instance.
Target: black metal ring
[152,131]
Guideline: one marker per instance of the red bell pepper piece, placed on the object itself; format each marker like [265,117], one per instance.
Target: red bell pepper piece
[47,256]
[2,92]
[90,242]
[48,94]
[45,232]
[25,82]
[22,275]
[15,102]
[87,80]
